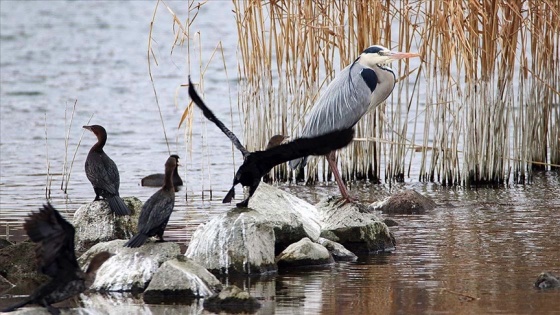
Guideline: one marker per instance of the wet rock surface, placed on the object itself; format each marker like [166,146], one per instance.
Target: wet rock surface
[246,240]
[338,252]
[357,230]
[304,253]
[179,279]
[405,202]
[547,280]
[232,300]
[130,269]
[95,223]
[238,241]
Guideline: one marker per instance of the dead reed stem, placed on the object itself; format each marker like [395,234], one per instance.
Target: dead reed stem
[484,103]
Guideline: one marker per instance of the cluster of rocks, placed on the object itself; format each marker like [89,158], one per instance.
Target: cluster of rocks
[278,231]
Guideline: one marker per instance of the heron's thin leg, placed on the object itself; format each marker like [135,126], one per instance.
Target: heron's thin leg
[331,158]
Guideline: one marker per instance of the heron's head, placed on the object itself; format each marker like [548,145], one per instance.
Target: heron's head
[379,55]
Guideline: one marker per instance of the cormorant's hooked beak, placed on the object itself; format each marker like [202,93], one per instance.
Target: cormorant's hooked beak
[87,127]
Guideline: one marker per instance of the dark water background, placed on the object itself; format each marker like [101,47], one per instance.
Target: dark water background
[478,252]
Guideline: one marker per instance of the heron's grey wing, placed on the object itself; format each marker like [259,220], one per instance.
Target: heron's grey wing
[210,115]
[346,99]
[300,147]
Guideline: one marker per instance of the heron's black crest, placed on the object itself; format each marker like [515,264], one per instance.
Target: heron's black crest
[373,50]
[370,78]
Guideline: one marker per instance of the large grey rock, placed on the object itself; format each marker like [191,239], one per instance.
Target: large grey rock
[238,241]
[232,300]
[339,252]
[178,279]
[405,202]
[291,217]
[357,230]
[245,240]
[304,253]
[130,269]
[94,223]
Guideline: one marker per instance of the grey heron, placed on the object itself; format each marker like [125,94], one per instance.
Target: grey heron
[354,91]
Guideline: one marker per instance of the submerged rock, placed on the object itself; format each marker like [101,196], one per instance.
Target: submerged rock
[338,252]
[245,240]
[547,280]
[94,223]
[232,300]
[357,230]
[405,202]
[130,269]
[178,280]
[304,253]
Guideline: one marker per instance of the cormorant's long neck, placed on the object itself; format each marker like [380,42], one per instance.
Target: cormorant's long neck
[101,140]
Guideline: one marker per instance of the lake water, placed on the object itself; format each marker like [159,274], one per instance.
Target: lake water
[478,252]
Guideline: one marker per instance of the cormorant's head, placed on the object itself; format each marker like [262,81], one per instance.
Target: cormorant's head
[379,55]
[97,130]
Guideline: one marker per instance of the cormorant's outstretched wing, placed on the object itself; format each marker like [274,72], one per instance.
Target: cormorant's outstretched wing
[210,115]
[55,240]
[319,145]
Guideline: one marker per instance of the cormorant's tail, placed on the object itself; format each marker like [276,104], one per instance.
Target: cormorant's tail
[137,240]
[15,306]
[118,206]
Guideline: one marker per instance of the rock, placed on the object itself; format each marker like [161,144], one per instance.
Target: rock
[177,280]
[304,253]
[291,217]
[238,241]
[18,264]
[130,269]
[390,222]
[5,284]
[128,303]
[338,252]
[5,243]
[547,280]
[232,300]
[357,230]
[246,240]
[405,202]
[94,223]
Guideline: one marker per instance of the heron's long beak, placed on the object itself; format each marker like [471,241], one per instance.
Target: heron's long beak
[395,55]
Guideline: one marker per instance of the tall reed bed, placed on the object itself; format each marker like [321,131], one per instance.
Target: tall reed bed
[481,108]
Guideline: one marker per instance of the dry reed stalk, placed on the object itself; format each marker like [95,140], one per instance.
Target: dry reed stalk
[486,96]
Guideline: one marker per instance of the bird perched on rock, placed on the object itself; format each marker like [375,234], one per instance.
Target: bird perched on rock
[258,163]
[56,258]
[157,209]
[156,180]
[103,173]
[354,91]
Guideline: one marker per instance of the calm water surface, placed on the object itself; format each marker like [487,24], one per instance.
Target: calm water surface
[478,252]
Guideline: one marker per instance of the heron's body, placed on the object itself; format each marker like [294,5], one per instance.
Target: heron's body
[354,91]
